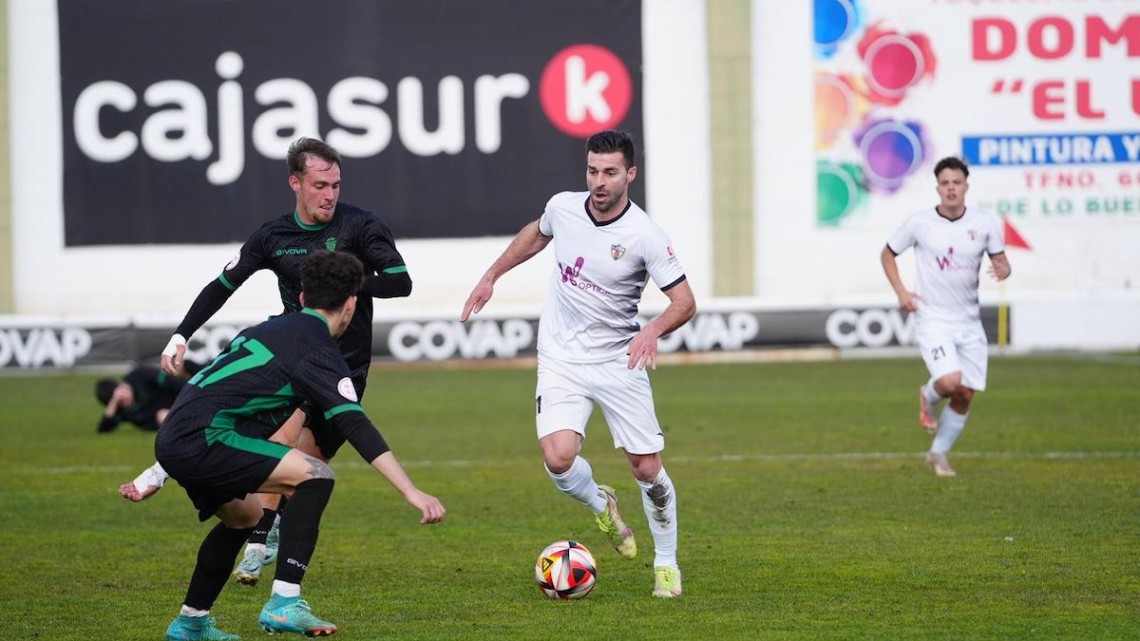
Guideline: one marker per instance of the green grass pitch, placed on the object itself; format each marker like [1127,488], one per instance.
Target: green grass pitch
[805,512]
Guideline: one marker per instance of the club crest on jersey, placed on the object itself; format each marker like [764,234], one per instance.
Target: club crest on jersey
[346,389]
[233,262]
[973,235]
[617,251]
[330,244]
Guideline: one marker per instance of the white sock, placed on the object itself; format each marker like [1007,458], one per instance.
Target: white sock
[950,426]
[932,395]
[659,499]
[286,589]
[260,547]
[188,611]
[578,482]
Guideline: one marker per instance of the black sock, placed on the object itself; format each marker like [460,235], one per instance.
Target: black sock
[300,527]
[261,530]
[216,558]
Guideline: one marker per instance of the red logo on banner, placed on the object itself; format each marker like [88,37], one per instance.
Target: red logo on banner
[584,89]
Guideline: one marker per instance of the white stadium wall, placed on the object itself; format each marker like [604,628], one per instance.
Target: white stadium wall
[1079,84]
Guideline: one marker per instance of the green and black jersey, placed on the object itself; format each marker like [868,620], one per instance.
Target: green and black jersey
[282,245]
[248,391]
[153,390]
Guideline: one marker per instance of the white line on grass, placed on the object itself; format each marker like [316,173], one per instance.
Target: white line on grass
[722,458]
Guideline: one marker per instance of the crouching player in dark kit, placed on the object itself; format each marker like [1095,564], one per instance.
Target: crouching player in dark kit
[214,442]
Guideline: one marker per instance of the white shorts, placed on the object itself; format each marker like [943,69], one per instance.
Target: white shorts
[955,348]
[566,393]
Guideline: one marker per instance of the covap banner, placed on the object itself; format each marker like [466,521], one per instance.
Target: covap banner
[455,119]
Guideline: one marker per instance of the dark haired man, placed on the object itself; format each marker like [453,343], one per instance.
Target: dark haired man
[949,241]
[591,348]
[215,443]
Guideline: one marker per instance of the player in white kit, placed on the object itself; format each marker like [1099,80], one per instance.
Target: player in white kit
[949,241]
[591,347]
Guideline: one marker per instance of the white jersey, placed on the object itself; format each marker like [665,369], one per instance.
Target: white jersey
[949,257]
[602,268]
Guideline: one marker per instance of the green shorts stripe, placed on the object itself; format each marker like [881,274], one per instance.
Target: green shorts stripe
[232,439]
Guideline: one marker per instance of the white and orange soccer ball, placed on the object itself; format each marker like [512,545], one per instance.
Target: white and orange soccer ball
[565,570]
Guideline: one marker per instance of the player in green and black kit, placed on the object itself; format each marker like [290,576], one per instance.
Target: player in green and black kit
[142,397]
[214,442]
[319,222]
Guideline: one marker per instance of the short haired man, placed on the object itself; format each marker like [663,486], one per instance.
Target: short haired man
[591,347]
[949,241]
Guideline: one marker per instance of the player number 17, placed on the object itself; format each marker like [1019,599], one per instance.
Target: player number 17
[258,355]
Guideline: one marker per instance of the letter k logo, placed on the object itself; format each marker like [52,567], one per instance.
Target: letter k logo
[584,92]
[585,88]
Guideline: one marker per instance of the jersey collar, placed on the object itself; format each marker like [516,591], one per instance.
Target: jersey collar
[947,219]
[312,312]
[303,225]
[586,205]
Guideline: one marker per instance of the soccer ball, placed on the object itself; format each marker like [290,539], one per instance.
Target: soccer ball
[565,570]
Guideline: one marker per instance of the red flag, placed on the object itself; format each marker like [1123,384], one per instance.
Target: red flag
[1012,238]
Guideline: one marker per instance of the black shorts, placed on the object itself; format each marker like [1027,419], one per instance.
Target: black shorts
[221,473]
[328,438]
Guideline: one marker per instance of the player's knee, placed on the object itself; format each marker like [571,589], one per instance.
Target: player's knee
[559,452]
[948,384]
[645,468]
[557,462]
[242,514]
[244,522]
[963,394]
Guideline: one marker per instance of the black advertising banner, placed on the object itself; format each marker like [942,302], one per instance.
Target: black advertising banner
[421,340]
[456,118]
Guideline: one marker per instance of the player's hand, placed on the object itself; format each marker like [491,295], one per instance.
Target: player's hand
[908,301]
[173,355]
[478,298]
[430,507]
[133,493]
[643,351]
[145,485]
[999,271]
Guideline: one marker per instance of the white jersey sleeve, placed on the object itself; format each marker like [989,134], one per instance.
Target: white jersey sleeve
[996,238]
[902,238]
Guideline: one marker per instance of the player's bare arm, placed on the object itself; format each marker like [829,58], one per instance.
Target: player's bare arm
[431,509]
[999,267]
[528,242]
[682,306]
[908,300]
